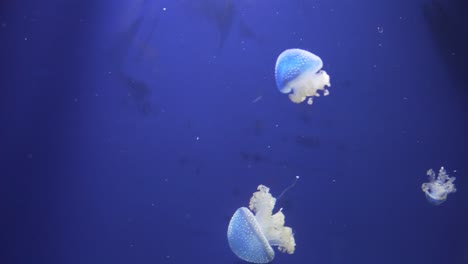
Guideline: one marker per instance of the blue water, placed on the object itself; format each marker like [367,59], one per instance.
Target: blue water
[131,131]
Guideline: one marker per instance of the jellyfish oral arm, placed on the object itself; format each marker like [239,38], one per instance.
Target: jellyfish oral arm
[308,85]
[272,225]
[280,235]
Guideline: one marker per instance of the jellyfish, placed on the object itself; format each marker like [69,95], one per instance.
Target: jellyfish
[298,73]
[251,237]
[439,187]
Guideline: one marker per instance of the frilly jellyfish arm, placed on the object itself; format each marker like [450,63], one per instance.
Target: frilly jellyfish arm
[262,202]
[439,187]
[298,73]
[272,225]
[251,236]
[431,174]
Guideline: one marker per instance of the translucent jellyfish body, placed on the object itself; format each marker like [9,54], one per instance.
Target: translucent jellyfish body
[438,187]
[251,237]
[298,73]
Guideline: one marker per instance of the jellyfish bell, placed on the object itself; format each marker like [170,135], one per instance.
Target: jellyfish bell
[438,187]
[298,73]
[435,200]
[250,244]
[252,233]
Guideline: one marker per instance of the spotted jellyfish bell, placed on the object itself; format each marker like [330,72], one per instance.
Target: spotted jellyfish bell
[251,237]
[298,73]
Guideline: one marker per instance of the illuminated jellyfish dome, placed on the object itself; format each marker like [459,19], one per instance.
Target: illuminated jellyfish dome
[299,74]
[251,237]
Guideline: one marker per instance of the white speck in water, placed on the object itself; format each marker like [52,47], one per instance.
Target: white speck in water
[257,99]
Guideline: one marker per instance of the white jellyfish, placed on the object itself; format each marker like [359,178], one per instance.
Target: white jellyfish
[251,237]
[439,187]
[298,73]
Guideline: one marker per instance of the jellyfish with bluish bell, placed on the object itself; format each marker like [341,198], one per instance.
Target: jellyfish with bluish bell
[439,187]
[252,233]
[298,73]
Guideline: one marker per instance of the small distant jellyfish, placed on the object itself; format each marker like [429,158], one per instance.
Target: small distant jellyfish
[439,187]
[251,237]
[298,73]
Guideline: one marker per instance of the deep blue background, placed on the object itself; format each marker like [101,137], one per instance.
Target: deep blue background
[129,131]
